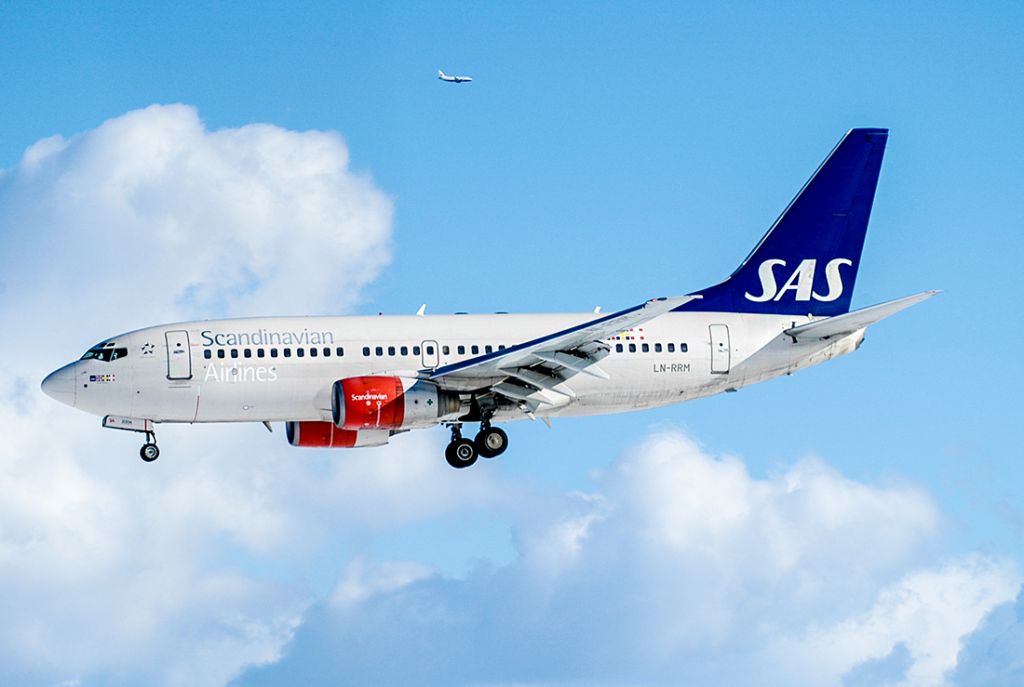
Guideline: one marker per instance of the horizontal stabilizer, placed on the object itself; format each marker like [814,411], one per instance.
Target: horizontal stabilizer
[858,319]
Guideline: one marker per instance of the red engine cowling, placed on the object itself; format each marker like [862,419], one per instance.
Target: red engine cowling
[378,402]
[326,435]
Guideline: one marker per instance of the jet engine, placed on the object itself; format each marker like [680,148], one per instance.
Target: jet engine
[379,402]
[326,435]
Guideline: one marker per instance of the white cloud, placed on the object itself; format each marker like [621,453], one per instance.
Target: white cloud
[994,655]
[929,612]
[182,571]
[362,580]
[162,219]
[681,568]
[113,573]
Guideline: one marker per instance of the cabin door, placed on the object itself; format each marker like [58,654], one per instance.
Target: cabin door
[720,349]
[431,356]
[179,355]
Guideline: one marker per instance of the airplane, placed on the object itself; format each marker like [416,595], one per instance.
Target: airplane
[348,382]
[453,79]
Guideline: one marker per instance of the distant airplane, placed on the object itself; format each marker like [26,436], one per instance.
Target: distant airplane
[454,79]
[357,381]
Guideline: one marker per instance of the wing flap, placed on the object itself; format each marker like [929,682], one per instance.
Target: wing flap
[577,348]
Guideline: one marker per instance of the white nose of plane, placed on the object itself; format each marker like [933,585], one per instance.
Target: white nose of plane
[60,385]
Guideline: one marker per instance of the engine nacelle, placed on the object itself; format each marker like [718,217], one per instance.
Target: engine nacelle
[326,435]
[372,402]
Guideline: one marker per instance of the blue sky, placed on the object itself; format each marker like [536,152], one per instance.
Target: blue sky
[604,154]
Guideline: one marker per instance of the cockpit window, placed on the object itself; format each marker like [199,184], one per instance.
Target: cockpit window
[105,354]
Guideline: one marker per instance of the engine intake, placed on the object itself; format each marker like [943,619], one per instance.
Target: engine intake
[326,435]
[379,402]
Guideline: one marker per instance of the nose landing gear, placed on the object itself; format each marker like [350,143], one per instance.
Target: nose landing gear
[149,451]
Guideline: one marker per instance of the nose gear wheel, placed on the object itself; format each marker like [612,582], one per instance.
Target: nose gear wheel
[149,451]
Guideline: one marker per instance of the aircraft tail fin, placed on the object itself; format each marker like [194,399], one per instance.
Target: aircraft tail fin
[807,262]
[440,74]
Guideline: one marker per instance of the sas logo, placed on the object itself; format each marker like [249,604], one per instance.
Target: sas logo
[801,281]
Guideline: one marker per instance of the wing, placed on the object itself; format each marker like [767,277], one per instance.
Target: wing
[534,373]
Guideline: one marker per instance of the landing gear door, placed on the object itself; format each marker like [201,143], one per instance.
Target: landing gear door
[179,355]
[431,356]
[720,349]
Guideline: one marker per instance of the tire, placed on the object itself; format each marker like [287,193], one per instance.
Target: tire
[461,453]
[149,452]
[491,442]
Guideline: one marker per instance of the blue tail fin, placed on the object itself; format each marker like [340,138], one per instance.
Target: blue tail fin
[807,262]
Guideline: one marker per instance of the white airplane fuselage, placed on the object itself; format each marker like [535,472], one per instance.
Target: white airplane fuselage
[356,381]
[452,78]
[228,374]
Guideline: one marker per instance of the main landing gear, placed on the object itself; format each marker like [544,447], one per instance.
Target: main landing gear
[490,442]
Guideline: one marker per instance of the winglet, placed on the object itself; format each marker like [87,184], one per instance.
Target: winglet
[422,310]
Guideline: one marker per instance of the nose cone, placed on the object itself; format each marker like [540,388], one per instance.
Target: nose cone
[60,385]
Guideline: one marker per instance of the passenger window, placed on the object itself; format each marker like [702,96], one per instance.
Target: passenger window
[220,352]
[461,350]
[366,351]
[671,348]
[207,354]
[618,348]
[273,352]
[474,349]
[234,352]
[339,351]
[313,352]
[683,348]
[501,347]
[379,350]
[445,350]
[327,352]
[488,348]
[300,352]
[632,348]
[247,353]
[657,348]
[391,350]
[430,350]
[287,352]
[645,348]
[259,352]
[405,350]
[415,350]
